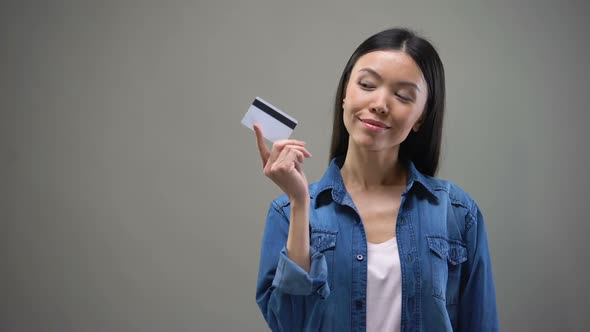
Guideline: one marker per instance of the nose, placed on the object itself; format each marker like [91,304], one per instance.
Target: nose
[380,103]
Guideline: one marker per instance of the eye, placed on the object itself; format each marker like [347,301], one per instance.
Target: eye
[403,98]
[365,85]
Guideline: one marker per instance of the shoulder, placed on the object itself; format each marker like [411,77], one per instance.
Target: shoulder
[453,192]
[456,197]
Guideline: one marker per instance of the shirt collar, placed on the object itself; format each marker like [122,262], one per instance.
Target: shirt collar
[414,175]
[332,180]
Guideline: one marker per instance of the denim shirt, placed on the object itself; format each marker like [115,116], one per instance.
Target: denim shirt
[447,281]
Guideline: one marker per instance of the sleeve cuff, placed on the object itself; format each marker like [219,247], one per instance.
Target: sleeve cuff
[290,278]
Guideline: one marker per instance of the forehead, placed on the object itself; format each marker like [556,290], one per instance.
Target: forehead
[391,65]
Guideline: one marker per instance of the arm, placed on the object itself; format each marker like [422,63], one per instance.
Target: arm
[478,297]
[290,297]
[298,239]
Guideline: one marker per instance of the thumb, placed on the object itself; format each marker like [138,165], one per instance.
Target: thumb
[262,148]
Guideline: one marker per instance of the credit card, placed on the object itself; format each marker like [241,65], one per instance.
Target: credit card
[275,124]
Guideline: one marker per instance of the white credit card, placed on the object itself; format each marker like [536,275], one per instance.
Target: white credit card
[275,124]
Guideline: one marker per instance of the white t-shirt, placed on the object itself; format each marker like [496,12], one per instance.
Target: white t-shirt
[384,287]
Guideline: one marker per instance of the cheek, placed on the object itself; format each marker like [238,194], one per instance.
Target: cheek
[413,111]
[421,107]
[347,117]
[406,118]
[355,95]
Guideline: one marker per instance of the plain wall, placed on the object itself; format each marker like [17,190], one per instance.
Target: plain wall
[132,199]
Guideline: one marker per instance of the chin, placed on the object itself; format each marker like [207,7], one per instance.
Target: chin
[366,142]
[371,143]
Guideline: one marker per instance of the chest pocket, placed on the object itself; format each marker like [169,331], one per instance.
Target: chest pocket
[446,259]
[324,241]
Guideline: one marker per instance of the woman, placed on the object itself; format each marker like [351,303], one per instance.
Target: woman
[379,243]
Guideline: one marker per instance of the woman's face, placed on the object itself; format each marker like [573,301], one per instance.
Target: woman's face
[384,99]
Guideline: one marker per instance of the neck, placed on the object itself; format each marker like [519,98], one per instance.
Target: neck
[366,170]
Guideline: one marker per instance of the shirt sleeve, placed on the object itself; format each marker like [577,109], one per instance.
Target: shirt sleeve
[289,297]
[478,295]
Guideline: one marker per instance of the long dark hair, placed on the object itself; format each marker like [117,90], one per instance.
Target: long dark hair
[422,147]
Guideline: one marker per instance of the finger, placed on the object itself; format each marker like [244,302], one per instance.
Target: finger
[299,168]
[290,156]
[299,157]
[302,149]
[262,148]
[277,156]
[278,146]
[306,153]
[283,142]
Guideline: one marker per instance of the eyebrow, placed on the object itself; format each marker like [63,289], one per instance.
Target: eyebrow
[406,83]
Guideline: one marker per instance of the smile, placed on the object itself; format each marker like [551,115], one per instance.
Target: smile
[374,125]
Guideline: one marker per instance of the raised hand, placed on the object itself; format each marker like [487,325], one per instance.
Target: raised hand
[282,164]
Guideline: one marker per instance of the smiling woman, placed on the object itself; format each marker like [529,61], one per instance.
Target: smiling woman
[384,101]
[379,243]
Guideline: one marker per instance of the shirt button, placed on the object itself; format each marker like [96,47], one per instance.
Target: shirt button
[359,304]
[360,257]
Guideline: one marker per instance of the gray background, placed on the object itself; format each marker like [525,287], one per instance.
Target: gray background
[131,198]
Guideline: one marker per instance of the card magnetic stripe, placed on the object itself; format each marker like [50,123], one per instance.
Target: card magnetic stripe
[268,110]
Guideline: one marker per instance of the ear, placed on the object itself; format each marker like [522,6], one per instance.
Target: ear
[419,123]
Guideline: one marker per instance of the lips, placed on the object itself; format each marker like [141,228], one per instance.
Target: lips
[376,123]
